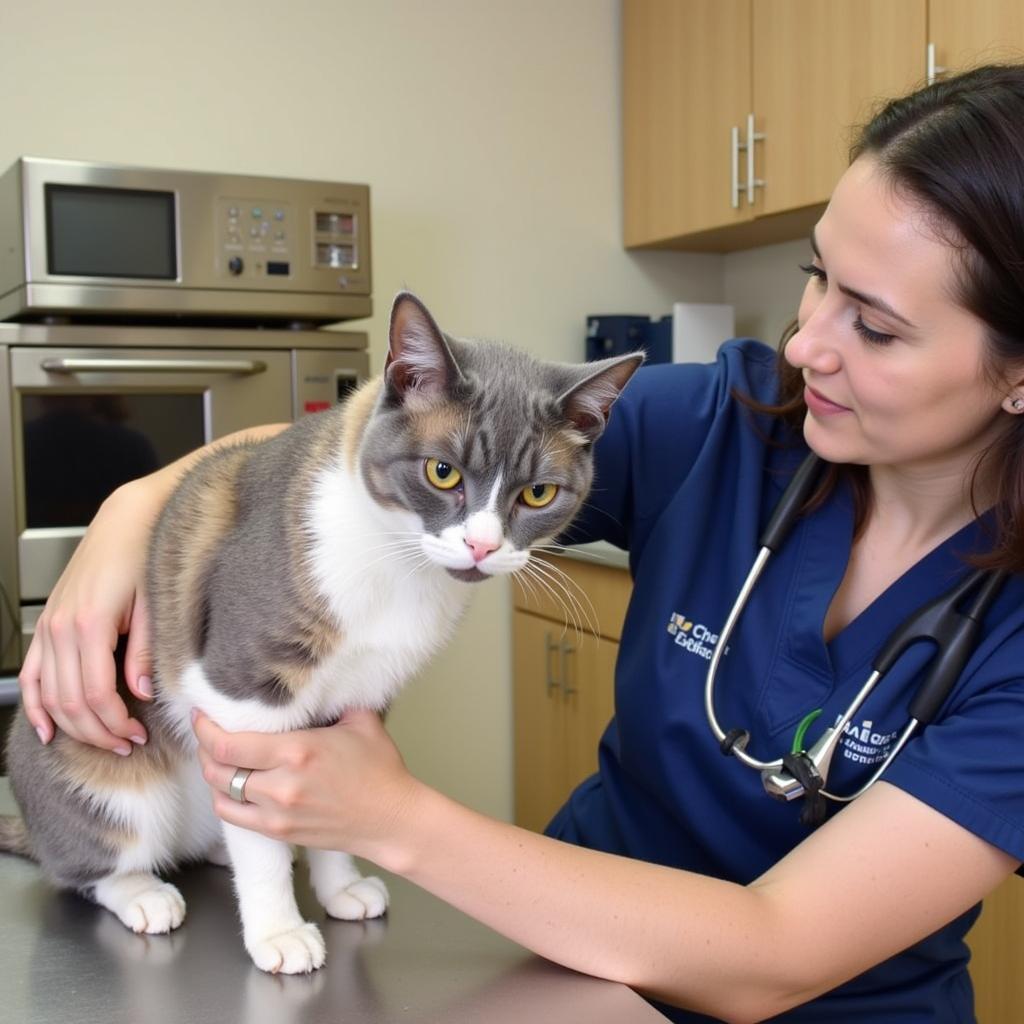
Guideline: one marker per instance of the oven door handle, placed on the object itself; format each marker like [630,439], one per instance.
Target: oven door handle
[239,366]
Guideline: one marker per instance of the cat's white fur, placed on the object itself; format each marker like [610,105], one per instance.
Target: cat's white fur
[395,606]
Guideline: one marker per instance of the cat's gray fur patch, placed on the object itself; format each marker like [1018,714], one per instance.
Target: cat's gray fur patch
[67,837]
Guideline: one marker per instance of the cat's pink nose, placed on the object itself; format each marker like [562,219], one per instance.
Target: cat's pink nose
[481,548]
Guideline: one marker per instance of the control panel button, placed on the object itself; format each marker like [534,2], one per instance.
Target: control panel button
[236,265]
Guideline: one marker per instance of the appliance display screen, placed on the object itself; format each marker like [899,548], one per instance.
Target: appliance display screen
[110,232]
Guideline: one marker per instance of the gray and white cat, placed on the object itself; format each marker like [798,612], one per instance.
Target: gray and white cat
[300,576]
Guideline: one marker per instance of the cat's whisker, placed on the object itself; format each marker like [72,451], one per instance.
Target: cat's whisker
[531,571]
[408,534]
[417,565]
[596,508]
[563,581]
[550,582]
[398,556]
[413,545]
[593,624]
[526,585]
[559,549]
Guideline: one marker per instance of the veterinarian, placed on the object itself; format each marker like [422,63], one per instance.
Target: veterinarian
[671,869]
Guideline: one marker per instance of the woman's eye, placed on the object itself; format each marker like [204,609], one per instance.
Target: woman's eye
[538,495]
[875,337]
[443,475]
[816,272]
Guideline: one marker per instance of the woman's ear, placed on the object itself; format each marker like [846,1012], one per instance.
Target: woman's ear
[1013,403]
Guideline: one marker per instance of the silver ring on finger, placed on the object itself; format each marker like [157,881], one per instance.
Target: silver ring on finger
[236,787]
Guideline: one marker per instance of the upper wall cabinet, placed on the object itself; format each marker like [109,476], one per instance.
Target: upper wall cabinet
[738,114]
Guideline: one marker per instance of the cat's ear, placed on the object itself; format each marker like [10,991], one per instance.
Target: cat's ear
[419,359]
[587,402]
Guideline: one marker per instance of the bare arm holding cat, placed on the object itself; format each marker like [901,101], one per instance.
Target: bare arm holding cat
[68,680]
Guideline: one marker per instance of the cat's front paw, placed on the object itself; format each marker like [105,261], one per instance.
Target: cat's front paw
[155,911]
[296,951]
[359,900]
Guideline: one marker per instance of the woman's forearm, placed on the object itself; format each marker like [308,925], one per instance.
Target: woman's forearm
[680,937]
[159,485]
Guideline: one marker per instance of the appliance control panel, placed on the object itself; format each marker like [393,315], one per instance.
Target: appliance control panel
[255,238]
[264,238]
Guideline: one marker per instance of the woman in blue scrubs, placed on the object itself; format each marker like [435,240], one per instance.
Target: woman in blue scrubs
[670,870]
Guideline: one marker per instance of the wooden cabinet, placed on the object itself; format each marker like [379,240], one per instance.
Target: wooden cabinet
[563,681]
[685,82]
[995,943]
[819,71]
[965,33]
[721,93]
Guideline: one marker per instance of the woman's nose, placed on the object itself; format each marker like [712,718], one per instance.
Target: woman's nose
[813,346]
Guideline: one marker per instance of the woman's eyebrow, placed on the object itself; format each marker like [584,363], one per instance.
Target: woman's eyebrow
[868,300]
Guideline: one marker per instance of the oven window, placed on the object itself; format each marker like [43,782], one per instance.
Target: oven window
[79,448]
[110,232]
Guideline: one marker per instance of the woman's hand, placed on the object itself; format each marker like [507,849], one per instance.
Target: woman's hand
[343,787]
[68,679]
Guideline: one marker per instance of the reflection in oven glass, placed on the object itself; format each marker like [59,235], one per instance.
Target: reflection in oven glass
[79,448]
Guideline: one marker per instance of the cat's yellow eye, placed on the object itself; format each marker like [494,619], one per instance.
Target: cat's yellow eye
[442,475]
[538,495]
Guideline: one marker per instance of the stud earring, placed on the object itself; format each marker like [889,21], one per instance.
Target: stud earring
[1018,404]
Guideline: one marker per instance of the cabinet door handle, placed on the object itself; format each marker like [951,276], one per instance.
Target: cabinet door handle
[550,647]
[567,649]
[752,137]
[735,148]
[933,70]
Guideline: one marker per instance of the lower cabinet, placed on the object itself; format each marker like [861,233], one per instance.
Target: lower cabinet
[995,943]
[565,641]
[564,700]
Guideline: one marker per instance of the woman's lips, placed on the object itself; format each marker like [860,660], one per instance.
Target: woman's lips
[819,405]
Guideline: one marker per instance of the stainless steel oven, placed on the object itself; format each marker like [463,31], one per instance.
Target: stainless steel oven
[147,312]
[84,409]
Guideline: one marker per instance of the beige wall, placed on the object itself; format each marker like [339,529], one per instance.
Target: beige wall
[765,285]
[489,133]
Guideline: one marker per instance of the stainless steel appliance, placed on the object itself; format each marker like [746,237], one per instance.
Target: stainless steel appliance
[101,239]
[131,340]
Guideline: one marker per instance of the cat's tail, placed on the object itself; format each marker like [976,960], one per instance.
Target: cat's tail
[14,836]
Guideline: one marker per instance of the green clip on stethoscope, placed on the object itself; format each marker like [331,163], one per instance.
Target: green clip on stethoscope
[952,631]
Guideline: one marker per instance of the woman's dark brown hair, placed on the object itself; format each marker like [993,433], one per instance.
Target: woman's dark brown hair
[957,147]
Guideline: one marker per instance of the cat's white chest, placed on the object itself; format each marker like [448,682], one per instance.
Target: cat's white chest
[386,642]
[393,607]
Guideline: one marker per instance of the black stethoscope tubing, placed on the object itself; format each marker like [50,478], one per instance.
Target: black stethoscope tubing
[952,631]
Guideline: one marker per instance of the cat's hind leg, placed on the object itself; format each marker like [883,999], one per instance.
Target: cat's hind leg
[341,890]
[101,825]
[141,901]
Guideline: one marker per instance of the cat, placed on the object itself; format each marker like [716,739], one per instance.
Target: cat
[292,578]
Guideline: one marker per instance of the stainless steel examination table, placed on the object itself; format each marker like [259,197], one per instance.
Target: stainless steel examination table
[65,960]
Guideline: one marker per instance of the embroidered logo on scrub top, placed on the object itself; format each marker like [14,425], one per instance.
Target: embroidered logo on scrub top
[693,637]
[862,745]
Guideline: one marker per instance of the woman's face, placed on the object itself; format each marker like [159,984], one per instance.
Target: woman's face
[893,367]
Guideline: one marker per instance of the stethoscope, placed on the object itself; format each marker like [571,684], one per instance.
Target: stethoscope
[803,773]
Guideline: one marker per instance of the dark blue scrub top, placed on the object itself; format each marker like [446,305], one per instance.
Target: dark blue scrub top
[685,481]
